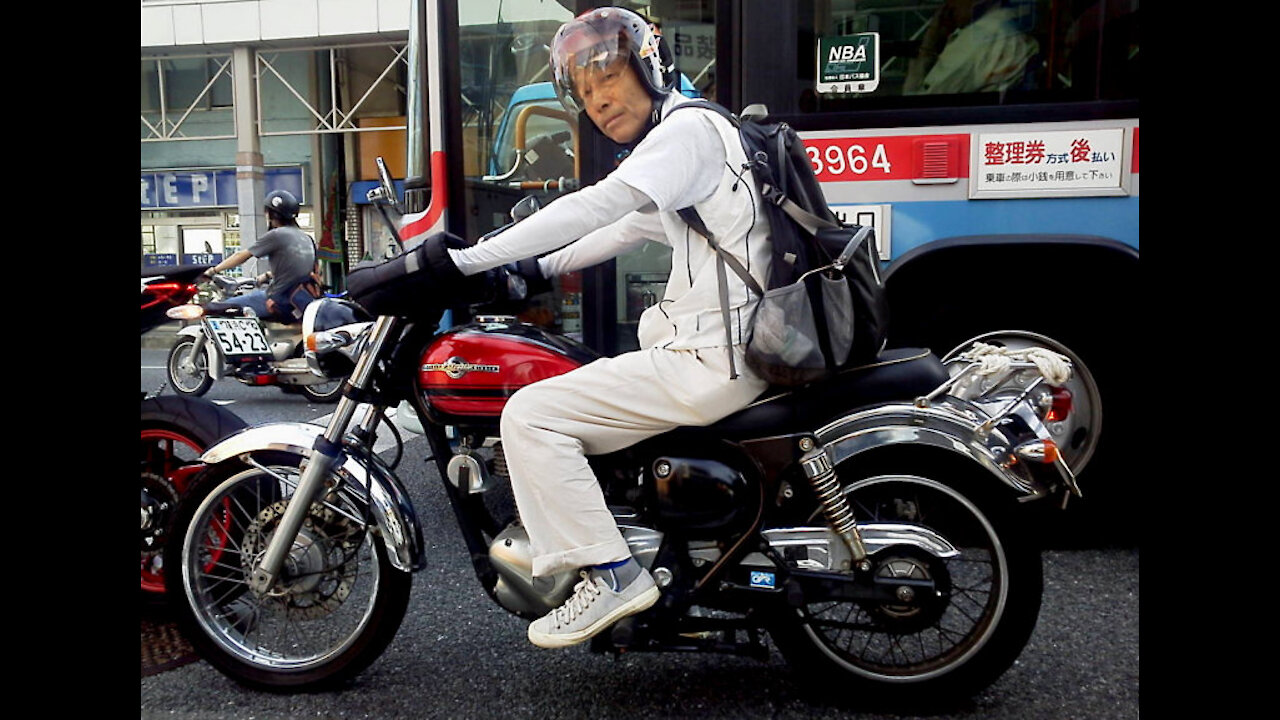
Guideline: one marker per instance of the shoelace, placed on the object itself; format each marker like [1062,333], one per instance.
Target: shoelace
[584,593]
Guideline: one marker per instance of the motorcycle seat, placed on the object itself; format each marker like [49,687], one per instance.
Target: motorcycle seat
[900,374]
[222,309]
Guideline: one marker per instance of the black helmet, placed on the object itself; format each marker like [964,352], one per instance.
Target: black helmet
[282,204]
[598,38]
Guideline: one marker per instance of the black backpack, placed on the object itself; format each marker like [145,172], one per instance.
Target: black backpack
[806,235]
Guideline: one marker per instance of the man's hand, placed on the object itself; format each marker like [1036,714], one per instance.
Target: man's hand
[532,274]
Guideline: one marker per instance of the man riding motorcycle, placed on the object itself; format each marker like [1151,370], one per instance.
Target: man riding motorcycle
[292,257]
[612,68]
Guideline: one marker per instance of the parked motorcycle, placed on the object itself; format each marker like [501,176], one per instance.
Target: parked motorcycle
[227,341]
[175,429]
[875,525]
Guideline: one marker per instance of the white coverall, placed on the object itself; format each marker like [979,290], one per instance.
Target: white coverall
[680,376]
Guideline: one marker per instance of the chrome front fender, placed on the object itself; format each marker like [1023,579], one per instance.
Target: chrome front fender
[393,511]
[950,425]
[212,353]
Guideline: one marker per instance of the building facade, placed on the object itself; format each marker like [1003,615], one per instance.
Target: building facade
[242,97]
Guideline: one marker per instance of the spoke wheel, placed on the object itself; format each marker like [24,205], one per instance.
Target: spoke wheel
[948,643]
[191,380]
[334,608]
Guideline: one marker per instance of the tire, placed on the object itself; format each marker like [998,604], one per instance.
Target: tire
[323,393]
[186,383]
[933,652]
[175,431]
[336,607]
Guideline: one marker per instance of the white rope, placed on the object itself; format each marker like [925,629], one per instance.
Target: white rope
[992,359]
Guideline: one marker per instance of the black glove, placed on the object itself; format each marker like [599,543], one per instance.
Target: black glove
[422,281]
[532,274]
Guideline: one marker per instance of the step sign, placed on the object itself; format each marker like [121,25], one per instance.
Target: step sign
[849,63]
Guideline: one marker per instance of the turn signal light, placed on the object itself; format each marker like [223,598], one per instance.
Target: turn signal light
[1060,405]
[185,312]
[325,341]
[1041,451]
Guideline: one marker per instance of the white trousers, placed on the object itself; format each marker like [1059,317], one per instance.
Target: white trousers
[550,426]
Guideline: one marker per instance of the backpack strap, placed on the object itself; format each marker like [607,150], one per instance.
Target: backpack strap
[778,196]
[723,258]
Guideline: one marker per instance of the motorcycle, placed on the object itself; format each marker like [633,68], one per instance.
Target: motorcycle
[876,525]
[175,429]
[227,341]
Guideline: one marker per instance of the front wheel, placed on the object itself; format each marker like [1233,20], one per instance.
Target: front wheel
[945,646]
[327,392]
[188,379]
[335,607]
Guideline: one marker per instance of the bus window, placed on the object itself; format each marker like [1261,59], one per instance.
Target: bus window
[942,53]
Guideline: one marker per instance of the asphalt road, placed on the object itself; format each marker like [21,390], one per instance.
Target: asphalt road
[460,656]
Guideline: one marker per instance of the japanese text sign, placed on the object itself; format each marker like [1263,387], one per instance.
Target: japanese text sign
[1068,162]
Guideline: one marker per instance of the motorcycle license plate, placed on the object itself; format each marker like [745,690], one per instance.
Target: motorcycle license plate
[239,336]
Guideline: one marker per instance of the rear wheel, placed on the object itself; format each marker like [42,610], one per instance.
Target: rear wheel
[335,607]
[193,380]
[948,645]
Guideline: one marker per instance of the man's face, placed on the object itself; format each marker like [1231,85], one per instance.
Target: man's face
[615,100]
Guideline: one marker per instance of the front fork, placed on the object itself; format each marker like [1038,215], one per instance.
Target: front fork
[199,340]
[201,344]
[326,457]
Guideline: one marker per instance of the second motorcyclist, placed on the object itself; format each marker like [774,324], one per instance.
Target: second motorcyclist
[291,254]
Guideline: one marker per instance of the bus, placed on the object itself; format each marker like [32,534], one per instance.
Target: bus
[993,144]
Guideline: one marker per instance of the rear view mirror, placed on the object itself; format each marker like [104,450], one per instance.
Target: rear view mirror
[526,207]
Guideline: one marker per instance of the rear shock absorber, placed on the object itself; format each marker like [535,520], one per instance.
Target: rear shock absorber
[835,506]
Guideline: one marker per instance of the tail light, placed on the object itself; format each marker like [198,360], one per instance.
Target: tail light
[171,292]
[1056,404]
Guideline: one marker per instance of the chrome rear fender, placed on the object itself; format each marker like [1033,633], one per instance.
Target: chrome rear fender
[951,425]
[394,513]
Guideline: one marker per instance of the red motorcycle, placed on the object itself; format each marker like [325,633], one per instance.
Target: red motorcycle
[175,429]
[877,525]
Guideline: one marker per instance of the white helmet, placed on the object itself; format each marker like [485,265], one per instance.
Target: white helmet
[597,39]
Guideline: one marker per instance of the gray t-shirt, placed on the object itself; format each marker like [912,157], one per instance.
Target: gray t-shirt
[291,254]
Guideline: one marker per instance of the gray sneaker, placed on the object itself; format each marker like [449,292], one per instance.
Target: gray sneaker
[592,607]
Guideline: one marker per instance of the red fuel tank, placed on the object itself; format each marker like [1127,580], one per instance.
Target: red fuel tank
[467,374]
